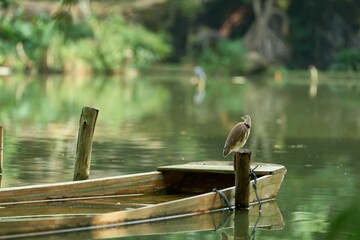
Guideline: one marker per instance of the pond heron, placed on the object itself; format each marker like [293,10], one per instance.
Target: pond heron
[237,136]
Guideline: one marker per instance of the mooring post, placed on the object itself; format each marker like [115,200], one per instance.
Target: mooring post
[242,178]
[241,225]
[1,149]
[84,143]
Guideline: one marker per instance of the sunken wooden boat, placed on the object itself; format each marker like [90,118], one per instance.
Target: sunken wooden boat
[171,192]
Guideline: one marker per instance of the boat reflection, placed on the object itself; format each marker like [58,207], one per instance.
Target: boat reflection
[229,224]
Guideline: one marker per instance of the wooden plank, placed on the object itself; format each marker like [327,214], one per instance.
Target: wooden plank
[222,167]
[130,184]
[80,206]
[189,206]
[267,187]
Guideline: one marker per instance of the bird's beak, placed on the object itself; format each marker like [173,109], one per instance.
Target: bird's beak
[243,118]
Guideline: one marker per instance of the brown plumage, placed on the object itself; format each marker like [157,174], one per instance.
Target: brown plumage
[237,136]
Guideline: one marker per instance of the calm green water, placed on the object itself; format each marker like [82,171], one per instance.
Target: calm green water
[157,119]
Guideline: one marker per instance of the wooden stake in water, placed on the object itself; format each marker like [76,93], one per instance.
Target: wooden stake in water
[84,143]
[242,178]
[241,225]
[1,149]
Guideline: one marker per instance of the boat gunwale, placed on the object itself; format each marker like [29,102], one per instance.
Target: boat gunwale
[79,182]
[138,182]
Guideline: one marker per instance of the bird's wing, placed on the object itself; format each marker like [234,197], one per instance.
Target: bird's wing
[237,133]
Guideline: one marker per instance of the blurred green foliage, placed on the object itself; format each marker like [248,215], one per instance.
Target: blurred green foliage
[47,43]
[345,225]
[116,44]
[348,59]
[189,9]
[321,29]
[226,56]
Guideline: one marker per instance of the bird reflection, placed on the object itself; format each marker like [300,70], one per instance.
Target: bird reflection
[199,79]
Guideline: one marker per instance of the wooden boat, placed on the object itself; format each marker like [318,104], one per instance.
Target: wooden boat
[171,192]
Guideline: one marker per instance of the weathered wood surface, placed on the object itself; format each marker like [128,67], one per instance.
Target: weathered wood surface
[268,187]
[89,206]
[222,167]
[242,179]
[84,144]
[130,184]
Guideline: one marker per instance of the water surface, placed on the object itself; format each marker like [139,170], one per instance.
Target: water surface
[160,119]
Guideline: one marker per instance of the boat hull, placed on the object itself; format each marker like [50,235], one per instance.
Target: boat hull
[192,200]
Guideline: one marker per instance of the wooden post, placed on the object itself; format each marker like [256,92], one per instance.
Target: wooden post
[1,149]
[84,143]
[241,225]
[242,178]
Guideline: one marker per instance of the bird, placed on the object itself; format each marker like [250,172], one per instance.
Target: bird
[238,136]
[199,73]
[314,77]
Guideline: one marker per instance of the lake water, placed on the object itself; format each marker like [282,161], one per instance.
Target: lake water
[159,119]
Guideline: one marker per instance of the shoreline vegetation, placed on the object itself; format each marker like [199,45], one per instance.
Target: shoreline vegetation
[62,40]
[84,37]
